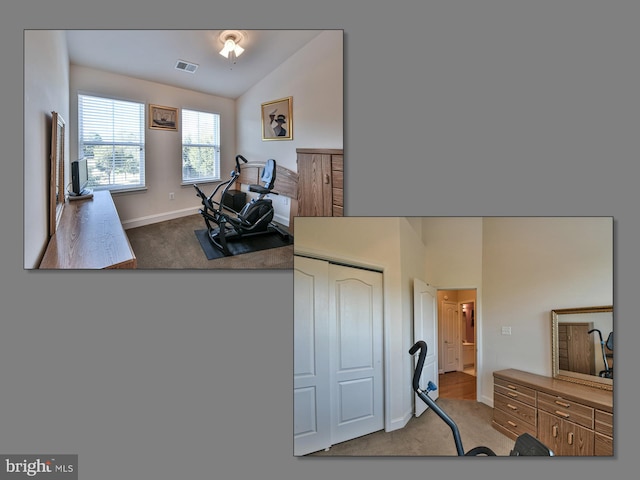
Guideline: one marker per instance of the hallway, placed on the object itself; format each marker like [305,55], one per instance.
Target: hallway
[458,385]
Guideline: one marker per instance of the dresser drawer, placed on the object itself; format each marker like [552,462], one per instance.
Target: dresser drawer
[604,422]
[522,411]
[515,391]
[513,424]
[567,409]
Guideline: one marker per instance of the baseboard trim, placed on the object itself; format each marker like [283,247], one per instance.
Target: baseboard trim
[161,217]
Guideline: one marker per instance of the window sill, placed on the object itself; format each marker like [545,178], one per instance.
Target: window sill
[125,191]
[199,182]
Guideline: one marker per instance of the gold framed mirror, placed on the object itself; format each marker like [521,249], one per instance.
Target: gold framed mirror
[56,186]
[580,352]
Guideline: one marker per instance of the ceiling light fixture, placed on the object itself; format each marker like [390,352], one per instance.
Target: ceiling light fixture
[231,40]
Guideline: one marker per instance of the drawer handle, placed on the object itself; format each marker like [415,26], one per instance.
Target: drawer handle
[563,404]
[570,438]
[512,423]
[562,414]
[512,387]
[512,407]
[554,431]
[327,178]
[511,394]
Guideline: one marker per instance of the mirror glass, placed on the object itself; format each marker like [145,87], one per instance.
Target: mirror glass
[582,348]
[56,187]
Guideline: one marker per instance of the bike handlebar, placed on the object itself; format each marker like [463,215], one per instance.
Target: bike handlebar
[422,346]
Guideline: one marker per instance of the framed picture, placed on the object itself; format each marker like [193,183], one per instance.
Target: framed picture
[277,120]
[163,118]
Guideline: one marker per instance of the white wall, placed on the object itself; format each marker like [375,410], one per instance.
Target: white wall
[46,80]
[393,246]
[531,266]
[163,148]
[313,76]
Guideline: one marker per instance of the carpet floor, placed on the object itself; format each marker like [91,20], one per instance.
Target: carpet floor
[173,245]
[428,435]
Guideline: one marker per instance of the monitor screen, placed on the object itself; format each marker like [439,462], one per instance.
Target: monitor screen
[79,176]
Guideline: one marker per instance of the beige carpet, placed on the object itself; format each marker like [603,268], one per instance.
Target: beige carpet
[428,435]
[173,245]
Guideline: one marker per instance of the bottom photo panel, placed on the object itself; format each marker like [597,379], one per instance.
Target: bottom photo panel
[453,336]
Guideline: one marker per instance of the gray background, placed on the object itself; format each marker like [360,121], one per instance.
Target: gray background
[489,108]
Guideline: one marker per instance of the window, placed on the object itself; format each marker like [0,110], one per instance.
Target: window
[111,138]
[200,146]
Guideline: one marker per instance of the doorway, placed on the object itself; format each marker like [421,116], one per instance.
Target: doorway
[457,338]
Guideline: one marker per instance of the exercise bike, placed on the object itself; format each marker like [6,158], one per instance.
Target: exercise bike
[607,372]
[255,218]
[526,445]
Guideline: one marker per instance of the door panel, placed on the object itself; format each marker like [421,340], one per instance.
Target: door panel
[425,327]
[450,337]
[311,358]
[355,306]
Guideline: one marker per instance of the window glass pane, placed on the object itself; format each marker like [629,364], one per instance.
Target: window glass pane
[200,146]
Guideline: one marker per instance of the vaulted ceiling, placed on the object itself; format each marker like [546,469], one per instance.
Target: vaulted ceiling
[153,55]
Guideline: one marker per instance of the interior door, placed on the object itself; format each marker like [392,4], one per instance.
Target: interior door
[356,346]
[311,397]
[450,337]
[425,327]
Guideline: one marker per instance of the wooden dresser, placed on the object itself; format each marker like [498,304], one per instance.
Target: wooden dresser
[89,236]
[569,418]
[320,182]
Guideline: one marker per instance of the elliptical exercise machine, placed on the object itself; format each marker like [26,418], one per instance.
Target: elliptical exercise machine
[607,372]
[255,218]
[526,445]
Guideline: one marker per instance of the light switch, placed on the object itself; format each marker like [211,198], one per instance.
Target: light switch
[506,330]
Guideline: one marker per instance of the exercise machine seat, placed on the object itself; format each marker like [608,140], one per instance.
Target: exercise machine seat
[268,178]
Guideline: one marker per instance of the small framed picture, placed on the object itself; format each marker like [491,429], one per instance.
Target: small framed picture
[163,118]
[277,120]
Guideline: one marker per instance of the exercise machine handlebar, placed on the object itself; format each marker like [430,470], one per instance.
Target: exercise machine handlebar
[238,158]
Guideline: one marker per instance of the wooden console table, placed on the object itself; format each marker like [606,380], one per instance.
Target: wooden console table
[570,419]
[89,236]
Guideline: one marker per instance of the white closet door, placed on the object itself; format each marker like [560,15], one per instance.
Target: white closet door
[311,397]
[338,348]
[355,328]
[425,327]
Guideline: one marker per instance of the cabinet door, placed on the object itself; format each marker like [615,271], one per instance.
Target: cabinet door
[564,438]
[578,440]
[315,189]
[550,431]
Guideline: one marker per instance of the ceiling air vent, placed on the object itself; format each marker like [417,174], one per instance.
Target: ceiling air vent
[186,66]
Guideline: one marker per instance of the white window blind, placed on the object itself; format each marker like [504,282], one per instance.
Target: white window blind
[200,146]
[111,138]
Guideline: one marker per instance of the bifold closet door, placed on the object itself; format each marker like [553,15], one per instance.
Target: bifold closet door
[311,392]
[355,333]
[338,348]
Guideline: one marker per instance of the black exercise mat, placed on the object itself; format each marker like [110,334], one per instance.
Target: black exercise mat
[243,245]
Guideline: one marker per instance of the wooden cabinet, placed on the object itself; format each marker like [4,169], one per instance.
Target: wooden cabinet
[320,182]
[575,348]
[570,419]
